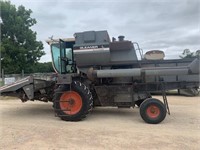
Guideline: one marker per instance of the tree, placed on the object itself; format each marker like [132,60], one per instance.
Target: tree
[43,67]
[188,54]
[19,48]
[197,53]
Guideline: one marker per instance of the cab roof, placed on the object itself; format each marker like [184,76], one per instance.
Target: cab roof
[51,41]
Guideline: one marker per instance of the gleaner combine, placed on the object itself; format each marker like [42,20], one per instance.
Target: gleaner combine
[94,71]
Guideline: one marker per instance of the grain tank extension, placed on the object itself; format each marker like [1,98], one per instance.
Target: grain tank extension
[93,70]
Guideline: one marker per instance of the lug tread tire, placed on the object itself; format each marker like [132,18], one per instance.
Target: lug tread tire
[87,101]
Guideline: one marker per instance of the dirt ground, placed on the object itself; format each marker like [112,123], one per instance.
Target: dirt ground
[33,126]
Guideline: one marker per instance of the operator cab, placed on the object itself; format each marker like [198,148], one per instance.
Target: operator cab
[62,55]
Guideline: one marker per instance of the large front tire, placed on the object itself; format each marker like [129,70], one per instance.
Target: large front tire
[74,104]
[152,111]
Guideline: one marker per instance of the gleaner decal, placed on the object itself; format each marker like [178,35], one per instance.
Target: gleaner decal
[89,47]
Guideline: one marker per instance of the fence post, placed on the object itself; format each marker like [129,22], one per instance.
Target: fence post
[22,73]
[2,75]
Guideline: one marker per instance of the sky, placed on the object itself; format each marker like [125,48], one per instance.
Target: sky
[168,25]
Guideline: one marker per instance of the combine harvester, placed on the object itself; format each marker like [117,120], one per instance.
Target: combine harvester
[94,71]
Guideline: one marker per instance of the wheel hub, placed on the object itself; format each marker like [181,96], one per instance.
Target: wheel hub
[70,102]
[153,111]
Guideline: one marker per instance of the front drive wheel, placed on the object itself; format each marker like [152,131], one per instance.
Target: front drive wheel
[153,111]
[73,105]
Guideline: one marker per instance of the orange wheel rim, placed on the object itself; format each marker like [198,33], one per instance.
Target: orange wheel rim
[153,111]
[70,102]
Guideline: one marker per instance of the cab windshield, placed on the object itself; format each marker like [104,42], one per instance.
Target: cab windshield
[61,59]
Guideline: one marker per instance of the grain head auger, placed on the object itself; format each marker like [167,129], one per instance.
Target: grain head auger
[94,71]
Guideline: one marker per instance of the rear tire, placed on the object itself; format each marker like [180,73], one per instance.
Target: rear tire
[73,105]
[152,111]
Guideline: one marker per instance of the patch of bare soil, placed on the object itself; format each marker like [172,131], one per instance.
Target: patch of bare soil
[33,126]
